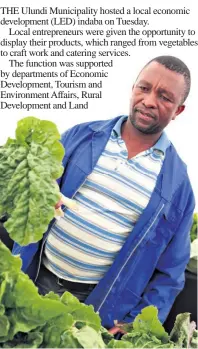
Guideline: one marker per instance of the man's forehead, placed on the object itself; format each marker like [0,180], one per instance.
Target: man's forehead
[155,69]
[155,72]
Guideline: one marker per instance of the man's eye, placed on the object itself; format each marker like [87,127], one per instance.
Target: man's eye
[143,88]
[165,98]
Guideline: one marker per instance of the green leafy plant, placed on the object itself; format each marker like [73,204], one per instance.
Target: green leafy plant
[193,230]
[192,264]
[182,331]
[148,332]
[29,167]
[29,320]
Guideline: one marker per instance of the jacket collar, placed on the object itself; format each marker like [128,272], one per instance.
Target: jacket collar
[173,170]
[115,124]
[161,145]
[104,125]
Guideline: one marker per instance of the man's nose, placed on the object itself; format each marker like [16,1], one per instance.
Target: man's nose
[150,100]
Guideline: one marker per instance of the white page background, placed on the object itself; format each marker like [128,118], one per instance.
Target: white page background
[117,87]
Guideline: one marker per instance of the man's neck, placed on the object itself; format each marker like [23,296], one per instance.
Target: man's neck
[136,141]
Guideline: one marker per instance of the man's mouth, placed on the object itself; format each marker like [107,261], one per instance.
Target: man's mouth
[144,115]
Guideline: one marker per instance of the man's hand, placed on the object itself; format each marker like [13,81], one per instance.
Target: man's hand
[117,329]
[59,204]
[64,201]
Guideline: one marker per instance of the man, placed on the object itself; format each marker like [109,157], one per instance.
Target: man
[128,243]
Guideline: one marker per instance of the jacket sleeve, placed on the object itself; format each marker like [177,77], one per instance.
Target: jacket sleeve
[169,277]
[66,140]
[70,141]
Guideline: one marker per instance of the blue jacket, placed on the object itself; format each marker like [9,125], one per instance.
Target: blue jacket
[150,266]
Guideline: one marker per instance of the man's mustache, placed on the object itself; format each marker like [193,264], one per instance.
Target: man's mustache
[145,112]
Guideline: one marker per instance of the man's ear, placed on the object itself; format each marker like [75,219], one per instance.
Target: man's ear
[179,110]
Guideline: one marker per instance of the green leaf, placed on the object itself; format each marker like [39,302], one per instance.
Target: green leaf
[180,332]
[119,344]
[31,340]
[25,128]
[70,301]
[81,313]
[29,167]
[52,295]
[8,263]
[87,316]
[106,336]
[68,340]
[193,230]
[54,328]
[195,217]
[145,340]
[194,340]
[4,326]
[28,319]
[148,322]
[88,337]
[2,309]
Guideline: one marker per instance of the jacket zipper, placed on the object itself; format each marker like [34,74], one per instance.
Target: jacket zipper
[40,256]
[100,306]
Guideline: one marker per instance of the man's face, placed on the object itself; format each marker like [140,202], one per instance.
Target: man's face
[156,98]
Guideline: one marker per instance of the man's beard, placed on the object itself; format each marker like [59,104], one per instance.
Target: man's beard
[149,130]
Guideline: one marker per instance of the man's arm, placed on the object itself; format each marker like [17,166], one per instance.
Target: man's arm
[66,138]
[69,140]
[169,277]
